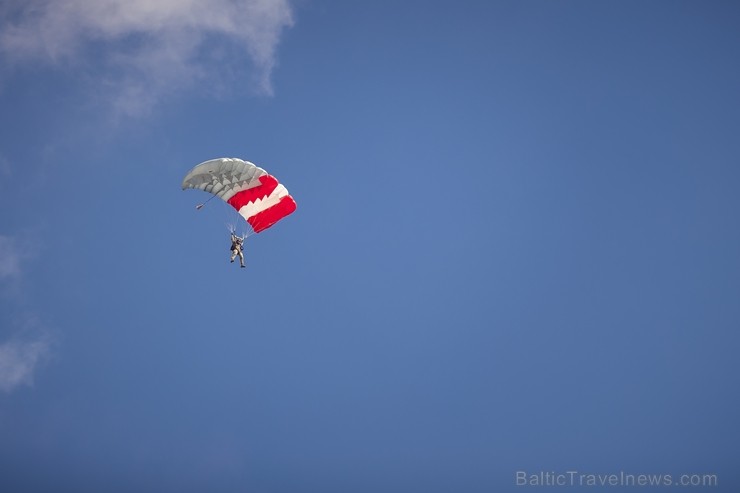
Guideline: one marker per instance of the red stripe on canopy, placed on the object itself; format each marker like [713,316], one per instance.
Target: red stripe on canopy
[267,186]
[263,220]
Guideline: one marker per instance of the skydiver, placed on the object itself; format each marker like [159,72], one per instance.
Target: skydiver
[237,246]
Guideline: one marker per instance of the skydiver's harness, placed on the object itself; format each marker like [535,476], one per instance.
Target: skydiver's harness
[236,243]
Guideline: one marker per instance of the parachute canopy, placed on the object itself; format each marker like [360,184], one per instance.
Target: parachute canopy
[256,195]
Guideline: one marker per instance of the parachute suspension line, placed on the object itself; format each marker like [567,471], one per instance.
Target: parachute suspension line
[200,206]
[237,225]
[243,233]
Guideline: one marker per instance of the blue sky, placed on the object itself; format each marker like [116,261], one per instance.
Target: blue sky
[515,249]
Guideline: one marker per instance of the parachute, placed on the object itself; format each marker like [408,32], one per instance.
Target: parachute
[257,196]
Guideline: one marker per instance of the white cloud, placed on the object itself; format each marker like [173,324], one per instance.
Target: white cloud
[19,359]
[30,344]
[145,50]
[10,258]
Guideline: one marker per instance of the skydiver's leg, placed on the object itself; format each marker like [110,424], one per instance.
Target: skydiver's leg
[233,256]
[241,258]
